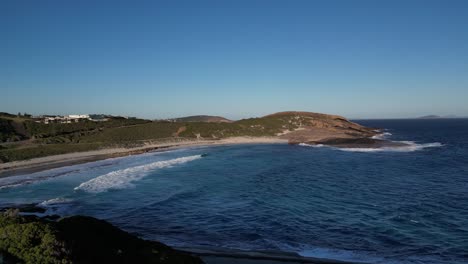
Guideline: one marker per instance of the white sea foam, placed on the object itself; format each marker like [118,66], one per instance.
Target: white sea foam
[312,146]
[57,206]
[382,135]
[55,201]
[122,179]
[409,147]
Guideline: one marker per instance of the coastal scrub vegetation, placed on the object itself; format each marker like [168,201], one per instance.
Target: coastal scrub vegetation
[78,239]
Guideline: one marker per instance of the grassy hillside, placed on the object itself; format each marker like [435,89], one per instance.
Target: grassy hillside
[20,128]
[23,138]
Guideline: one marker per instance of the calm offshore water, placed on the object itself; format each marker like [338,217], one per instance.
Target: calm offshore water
[394,206]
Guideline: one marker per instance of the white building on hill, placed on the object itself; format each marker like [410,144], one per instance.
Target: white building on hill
[68,119]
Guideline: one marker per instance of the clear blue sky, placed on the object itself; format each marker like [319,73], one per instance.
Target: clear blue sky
[157,59]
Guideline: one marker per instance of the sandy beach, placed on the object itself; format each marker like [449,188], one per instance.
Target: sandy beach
[44,163]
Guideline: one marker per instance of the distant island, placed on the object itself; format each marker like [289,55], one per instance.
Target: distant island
[437,117]
[27,140]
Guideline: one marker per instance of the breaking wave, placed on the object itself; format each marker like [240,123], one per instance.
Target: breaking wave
[409,147]
[312,146]
[55,201]
[57,206]
[383,135]
[122,179]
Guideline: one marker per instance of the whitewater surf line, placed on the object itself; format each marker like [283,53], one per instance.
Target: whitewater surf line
[122,179]
[409,146]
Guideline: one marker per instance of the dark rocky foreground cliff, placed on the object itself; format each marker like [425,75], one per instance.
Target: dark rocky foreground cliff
[78,239]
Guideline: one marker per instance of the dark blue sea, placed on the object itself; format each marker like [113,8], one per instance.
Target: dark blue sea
[396,205]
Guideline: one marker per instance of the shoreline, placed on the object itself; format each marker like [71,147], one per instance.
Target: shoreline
[208,254]
[232,256]
[56,161]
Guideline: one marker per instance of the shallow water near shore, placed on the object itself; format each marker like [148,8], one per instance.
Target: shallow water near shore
[386,206]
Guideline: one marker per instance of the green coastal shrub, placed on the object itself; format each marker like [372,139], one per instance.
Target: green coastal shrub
[31,242]
[78,239]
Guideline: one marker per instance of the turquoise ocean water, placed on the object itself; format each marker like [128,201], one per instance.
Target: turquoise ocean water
[400,205]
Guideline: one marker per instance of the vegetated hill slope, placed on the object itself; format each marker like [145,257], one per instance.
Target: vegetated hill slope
[11,130]
[12,127]
[203,118]
[15,129]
